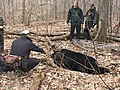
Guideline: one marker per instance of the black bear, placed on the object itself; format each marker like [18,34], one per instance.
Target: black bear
[78,62]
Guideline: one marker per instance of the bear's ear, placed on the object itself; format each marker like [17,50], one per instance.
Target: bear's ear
[52,55]
[64,50]
[52,52]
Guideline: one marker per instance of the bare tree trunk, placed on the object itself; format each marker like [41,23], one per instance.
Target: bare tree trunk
[46,17]
[28,14]
[55,4]
[4,13]
[84,6]
[9,9]
[23,11]
[102,32]
[13,12]
[41,9]
[110,19]
[65,10]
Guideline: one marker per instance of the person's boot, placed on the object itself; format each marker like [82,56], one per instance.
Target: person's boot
[88,36]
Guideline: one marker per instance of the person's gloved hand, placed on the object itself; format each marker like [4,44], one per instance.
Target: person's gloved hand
[93,25]
[42,51]
[67,22]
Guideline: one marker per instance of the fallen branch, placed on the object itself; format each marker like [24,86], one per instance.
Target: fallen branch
[37,81]
[50,42]
[113,38]
[116,36]
[42,39]
[63,37]
[57,36]
[38,34]
[12,33]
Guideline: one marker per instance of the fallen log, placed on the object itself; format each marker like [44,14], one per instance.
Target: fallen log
[38,34]
[116,36]
[113,38]
[12,33]
[50,34]
[63,37]
[57,36]
[34,38]
[53,37]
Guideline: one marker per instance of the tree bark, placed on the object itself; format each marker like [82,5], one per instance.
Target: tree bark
[38,34]
[23,11]
[55,8]
[113,38]
[110,19]
[4,10]
[13,16]
[84,6]
[102,32]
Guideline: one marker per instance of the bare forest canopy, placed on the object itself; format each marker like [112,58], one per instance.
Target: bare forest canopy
[48,18]
[28,11]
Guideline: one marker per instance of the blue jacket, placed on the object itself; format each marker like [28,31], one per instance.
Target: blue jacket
[23,45]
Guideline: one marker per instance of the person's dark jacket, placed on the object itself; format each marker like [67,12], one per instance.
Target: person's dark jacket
[23,45]
[75,16]
[92,15]
[1,21]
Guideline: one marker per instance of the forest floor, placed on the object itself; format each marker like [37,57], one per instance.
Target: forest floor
[48,77]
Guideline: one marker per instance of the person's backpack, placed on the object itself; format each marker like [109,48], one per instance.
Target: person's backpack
[12,60]
[9,62]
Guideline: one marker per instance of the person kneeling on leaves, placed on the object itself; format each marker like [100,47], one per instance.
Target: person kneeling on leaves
[22,47]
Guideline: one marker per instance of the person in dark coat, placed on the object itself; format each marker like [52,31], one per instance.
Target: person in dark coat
[2,26]
[92,19]
[76,18]
[22,47]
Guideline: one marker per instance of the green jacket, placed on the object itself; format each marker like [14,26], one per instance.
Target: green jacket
[75,16]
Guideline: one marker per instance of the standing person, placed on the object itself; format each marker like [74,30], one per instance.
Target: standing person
[75,16]
[92,19]
[22,47]
[2,26]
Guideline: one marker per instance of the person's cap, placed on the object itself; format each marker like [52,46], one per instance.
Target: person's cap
[92,5]
[26,32]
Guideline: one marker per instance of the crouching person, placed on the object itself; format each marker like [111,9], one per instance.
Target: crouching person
[21,47]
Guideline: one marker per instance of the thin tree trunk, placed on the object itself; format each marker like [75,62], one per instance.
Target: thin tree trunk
[23,11]
[84,6]
[46,17]
[102,32]
[110,19]
[55,4]
[13,12]
[4,10]
[65,10]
